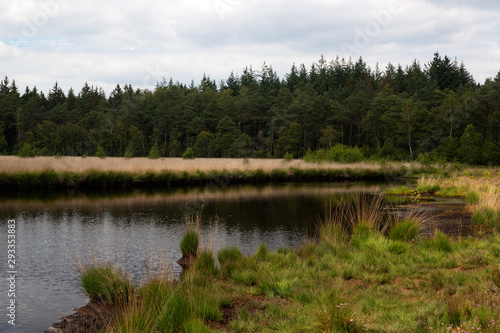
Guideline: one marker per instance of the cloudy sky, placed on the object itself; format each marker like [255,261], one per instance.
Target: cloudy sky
[106,42]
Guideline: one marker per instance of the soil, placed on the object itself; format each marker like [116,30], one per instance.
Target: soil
[93,317]
[96,316]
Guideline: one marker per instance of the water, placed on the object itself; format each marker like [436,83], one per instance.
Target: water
[137,229]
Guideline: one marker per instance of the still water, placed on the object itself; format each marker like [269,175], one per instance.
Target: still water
[141,228]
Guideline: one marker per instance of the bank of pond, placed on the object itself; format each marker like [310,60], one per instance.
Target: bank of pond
[365,269]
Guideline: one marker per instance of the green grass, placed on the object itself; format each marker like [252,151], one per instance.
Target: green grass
[189,243]
[406,230]
[105,282]
[486,216]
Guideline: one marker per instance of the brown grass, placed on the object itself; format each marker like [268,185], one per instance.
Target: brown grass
[13,164]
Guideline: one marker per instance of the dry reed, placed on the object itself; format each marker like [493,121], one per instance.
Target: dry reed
[14,164]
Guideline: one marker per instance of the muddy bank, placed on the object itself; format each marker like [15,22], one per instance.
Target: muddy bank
[93,317]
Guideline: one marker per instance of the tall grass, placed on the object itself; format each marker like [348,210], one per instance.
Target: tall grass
[13,164]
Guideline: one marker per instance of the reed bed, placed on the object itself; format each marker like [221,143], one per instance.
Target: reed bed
[71,172]
[14,164]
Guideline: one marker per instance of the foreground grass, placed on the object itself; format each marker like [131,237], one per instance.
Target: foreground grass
[365,272]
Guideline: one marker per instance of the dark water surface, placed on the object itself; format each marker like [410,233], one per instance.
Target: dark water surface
[138,229]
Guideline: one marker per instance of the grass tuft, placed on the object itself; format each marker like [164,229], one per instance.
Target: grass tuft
[406,230]
[189,243]
[442,242]
[103,282]
[205,263]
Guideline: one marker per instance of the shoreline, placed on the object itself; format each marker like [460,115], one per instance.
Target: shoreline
[118,173]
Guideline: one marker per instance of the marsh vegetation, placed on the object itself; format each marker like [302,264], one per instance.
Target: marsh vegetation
[365,271]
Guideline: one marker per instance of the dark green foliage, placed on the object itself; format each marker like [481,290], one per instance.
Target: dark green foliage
[154,153]
[338,111]
[288,157]
[188,154]
[338,153]
[26,151]
[100,152]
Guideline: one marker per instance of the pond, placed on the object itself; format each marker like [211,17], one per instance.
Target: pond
[137,229]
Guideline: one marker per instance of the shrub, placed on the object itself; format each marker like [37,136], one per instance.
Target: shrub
[26,151]
[154,153]
[128,154]
[344,154]
[338,153]
[405,230]
[100,152]
[288,157]
[189,243]
[188,154]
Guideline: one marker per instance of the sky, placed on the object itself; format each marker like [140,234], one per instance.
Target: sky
[110,42]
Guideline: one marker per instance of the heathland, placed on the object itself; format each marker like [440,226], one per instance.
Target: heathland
[364,271]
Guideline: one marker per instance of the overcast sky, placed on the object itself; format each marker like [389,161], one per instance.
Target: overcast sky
[109,42]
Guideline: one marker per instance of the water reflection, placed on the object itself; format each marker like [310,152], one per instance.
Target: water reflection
[136,228]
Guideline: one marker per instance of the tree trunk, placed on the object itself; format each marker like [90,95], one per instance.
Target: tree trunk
[350,133]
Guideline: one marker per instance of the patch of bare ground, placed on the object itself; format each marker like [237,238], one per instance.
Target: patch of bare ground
[96,316]
[93,317]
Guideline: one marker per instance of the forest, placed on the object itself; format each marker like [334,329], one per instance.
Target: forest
[434,112]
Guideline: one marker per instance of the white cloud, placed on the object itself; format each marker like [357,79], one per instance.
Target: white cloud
[109,42]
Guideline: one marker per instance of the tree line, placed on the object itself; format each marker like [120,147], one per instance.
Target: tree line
[401,113]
